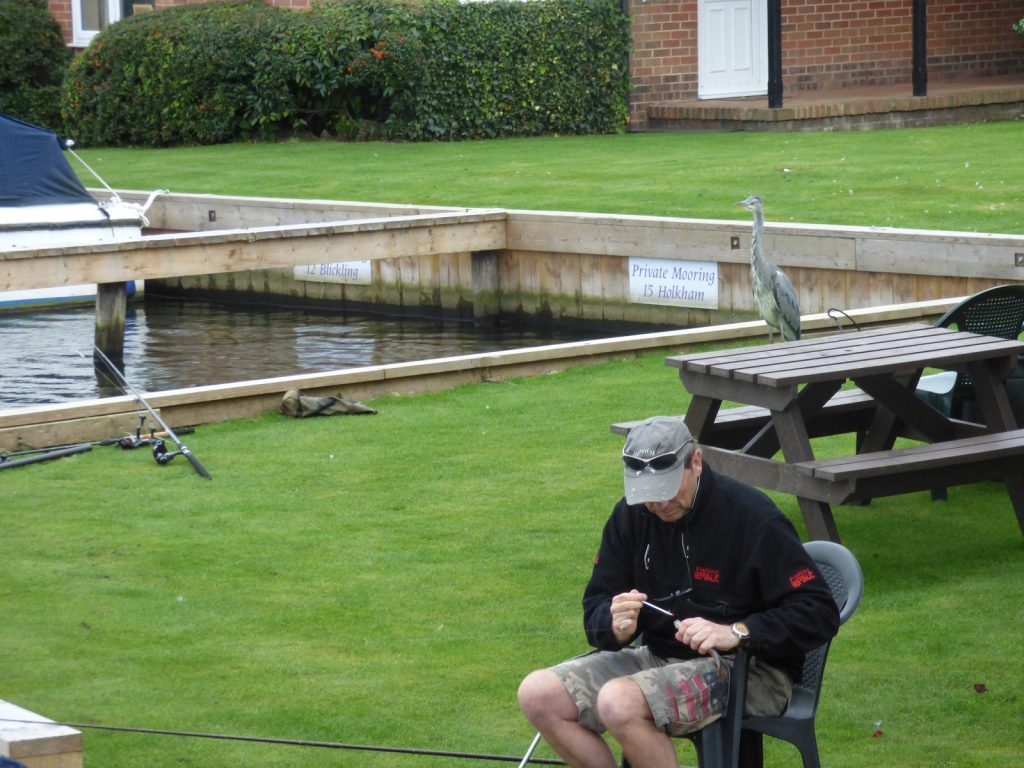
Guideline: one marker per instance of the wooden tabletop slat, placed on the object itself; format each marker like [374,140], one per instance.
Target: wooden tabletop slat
[804,346]
[902,348]
[938,354]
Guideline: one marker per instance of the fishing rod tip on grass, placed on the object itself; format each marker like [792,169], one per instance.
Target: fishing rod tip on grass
[127,386]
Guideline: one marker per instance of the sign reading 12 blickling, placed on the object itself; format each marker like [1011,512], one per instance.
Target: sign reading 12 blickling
[672,282]
[352,272]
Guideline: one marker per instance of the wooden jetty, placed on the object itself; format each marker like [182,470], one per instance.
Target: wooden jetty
[487,262]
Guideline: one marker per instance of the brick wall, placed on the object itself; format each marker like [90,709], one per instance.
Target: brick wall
[663,64]
[61,11]
[974,38]
[832,44]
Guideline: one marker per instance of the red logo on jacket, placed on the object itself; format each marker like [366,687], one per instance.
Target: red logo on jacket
[801,577]
[710,575]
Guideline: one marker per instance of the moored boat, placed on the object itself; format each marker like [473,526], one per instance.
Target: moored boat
[43,204]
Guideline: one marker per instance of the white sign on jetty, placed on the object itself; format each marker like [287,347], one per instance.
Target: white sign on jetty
[353,272]
[673,282]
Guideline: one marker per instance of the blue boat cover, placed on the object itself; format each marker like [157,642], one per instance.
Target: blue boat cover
[33,169]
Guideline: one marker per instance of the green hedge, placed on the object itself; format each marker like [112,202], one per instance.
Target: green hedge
[33,58]
[500,68]
[440,70]
[186,74]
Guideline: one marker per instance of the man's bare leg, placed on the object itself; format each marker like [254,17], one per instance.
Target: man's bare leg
[627,716]
[550,708]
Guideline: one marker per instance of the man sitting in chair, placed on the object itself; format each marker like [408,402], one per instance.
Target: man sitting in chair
[692,563]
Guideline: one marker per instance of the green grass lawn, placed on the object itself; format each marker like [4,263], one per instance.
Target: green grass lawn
[968,178]
[388,580]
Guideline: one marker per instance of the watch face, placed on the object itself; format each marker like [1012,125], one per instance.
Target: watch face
[741,629]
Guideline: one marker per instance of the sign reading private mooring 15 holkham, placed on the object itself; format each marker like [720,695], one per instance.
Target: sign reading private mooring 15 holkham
[357,272]
[672,282]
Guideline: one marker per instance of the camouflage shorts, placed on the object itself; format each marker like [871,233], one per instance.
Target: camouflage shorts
[684,695]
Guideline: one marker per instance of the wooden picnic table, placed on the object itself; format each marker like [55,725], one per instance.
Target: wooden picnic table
[790,392]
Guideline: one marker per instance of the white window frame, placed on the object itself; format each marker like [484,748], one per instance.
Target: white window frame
[81,36]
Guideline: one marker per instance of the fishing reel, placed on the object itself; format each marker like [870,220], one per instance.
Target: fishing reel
[161,454]
[130,442]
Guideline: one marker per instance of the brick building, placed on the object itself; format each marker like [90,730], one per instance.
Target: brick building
[686,50]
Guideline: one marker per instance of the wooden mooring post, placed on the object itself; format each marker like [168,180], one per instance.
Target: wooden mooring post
[486,298]
[111,306]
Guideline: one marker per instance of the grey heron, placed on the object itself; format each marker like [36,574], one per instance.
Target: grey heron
[774,295]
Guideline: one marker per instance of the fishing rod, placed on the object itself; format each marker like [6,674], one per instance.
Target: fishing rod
[125,441]
[32,457]
[161,456]
[299,742]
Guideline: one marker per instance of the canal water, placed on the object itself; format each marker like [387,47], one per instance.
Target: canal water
[46,357]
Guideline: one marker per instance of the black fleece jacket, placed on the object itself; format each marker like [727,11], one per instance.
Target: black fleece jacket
[734,557]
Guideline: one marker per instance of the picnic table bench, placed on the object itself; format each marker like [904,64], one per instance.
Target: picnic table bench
[849,410]
[989,456]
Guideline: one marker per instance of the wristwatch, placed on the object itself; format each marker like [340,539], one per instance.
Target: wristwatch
[742,633]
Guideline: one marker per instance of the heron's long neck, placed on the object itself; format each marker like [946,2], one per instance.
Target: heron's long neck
[755,238]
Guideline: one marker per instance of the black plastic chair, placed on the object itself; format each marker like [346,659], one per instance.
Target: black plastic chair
[841,570]
[736,739]
[998,312]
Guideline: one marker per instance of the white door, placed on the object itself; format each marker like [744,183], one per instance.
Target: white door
[732,48]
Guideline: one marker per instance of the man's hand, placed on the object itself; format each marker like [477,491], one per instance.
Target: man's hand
[705,636]
[625,610]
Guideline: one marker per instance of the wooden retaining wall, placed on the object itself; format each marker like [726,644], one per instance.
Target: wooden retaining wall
[575,266]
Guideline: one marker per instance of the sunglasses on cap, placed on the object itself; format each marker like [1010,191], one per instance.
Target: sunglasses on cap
[656,464]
